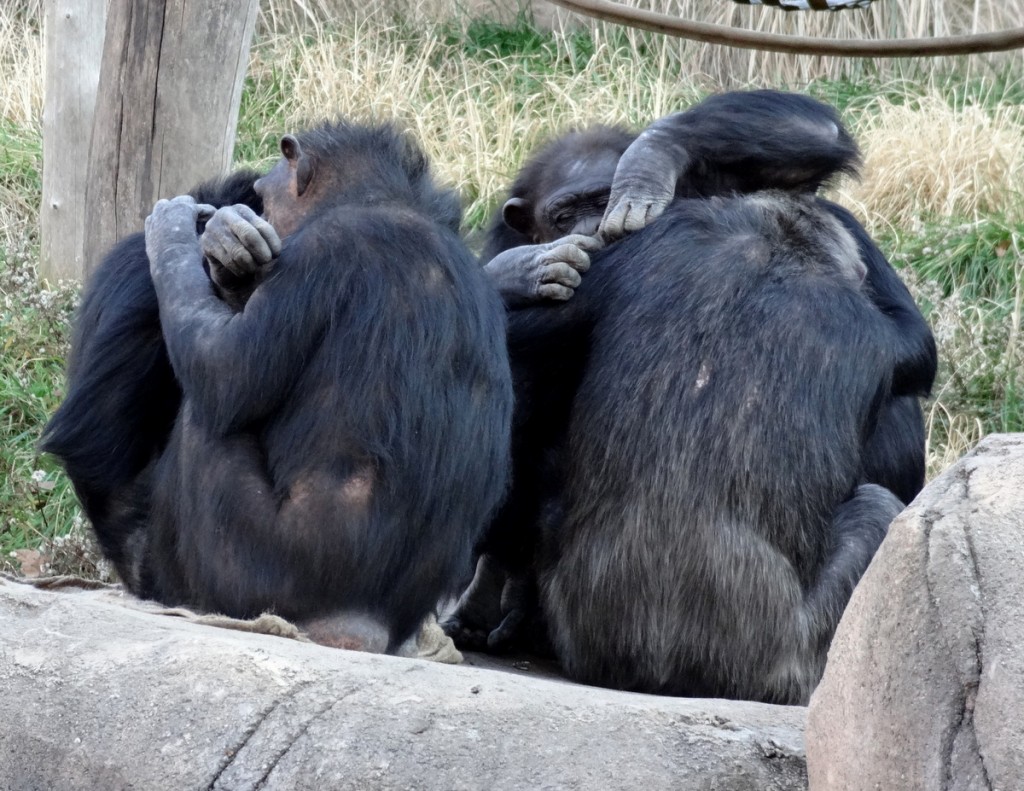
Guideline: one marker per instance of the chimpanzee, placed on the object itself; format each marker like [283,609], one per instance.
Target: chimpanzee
[733,142]
[343,438]
[705,520]
[561,381]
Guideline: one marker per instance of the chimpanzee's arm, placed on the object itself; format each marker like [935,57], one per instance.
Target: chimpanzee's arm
[122,397]
[731,142]
[236,366]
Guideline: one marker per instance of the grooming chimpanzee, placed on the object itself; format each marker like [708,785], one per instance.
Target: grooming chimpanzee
[737,142]
[342,439]
[577,369]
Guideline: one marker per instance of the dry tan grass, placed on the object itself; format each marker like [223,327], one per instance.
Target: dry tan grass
[978,343]
[21,64]
[928,158]
[721,66]
[475,122]
[21,104]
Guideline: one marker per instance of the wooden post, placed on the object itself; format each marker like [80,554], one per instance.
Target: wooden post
[73,31]
[166,112]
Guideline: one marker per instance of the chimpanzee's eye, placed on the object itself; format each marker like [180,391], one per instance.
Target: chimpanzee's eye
[563,221]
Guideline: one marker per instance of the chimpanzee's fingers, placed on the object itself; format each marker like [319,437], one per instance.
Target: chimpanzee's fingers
[239,240]
[205,212]
[181,209]
[250,238]
[219,244]
[562,274]
[226,250]
[590,244]
[613,224]
[654,210]
[265,229]
[507,629]
[555,292]
[269,235]
[636,217]
[568,254]
[188,202]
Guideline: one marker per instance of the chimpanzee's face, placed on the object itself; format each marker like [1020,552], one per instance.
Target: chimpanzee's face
[571,198]
[577,209]
[580,197]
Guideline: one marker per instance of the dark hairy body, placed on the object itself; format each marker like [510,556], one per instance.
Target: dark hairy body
[311,469]
[709,523]
[122,396]
[710,421]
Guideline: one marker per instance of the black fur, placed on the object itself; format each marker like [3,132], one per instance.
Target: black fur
[754,140]
[122,397]
[709,525]
[343,439]
[587,449]
[895,453]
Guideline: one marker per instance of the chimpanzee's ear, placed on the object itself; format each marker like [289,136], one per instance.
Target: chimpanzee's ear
[299,161]
[517,215]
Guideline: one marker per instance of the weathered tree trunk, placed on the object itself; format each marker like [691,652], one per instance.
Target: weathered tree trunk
[73,46]
[171,82]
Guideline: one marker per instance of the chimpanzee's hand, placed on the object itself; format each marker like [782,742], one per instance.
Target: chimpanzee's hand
[171,234]
[537,272]
[238,244]
[643,185]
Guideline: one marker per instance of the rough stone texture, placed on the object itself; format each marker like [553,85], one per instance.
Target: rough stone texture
[98,695]
[924,687]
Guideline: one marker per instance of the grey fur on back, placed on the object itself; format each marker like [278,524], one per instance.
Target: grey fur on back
[715,559]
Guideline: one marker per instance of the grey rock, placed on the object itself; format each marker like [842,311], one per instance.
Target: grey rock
[98,693]
[924,686]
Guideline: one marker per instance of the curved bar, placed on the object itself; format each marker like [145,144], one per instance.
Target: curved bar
[800,45]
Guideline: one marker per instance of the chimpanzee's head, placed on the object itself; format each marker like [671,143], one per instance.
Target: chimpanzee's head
[283,190]
[564,187]
[337,163]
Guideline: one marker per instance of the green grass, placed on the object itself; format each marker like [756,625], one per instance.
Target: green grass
[1002,86]
[36,501]
[975,257]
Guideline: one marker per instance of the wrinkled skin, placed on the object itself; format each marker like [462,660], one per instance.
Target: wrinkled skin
[239,246]
[643,187]
[534,273]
